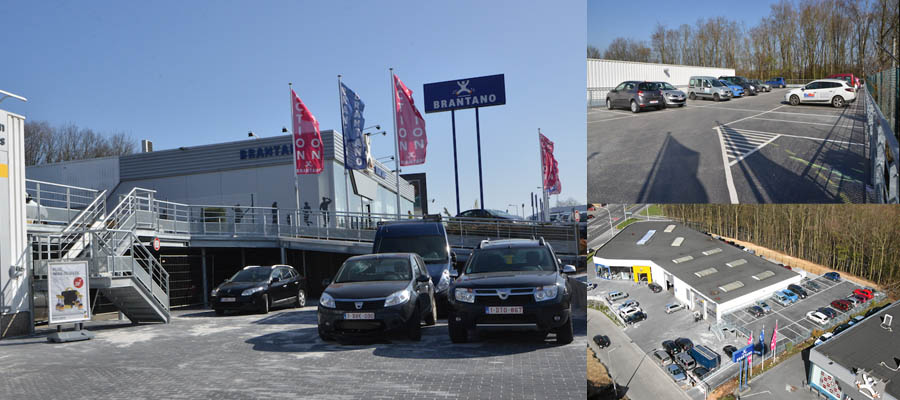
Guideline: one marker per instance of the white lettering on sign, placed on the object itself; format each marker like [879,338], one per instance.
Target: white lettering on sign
[465,101]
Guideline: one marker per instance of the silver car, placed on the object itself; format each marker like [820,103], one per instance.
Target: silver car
[671,95]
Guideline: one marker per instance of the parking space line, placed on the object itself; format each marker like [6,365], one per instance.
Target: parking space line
[794,122]
[729,181]
[609,119]
[800,137]
[779,112]
[743,144]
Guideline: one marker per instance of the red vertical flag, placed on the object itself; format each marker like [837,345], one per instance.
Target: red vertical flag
[750,356]
[551,168]
[774,336]
[307,140]
[411,136]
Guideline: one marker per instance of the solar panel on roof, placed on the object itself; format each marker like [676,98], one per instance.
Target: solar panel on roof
[736,263]
[712,251]
[677,241]
[731,286]
[682,259]
[763,275]
[646,237]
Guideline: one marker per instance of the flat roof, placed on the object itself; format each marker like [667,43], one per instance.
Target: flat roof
[695,253]
[866,345]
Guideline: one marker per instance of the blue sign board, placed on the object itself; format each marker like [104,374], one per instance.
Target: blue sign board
[458,94]
[742,353]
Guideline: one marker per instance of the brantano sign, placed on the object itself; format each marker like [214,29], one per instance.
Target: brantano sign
[458,94]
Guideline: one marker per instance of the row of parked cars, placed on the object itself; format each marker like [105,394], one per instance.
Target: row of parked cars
[514,284]
[853,321]
[681,357]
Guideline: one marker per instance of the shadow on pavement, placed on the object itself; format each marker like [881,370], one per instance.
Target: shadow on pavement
[673,176]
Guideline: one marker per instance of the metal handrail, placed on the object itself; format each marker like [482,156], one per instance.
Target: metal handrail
[884,152]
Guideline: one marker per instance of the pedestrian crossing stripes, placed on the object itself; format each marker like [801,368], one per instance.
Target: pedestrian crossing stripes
[740,143]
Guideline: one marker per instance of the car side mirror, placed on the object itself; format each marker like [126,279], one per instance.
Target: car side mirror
[326,282]
[569,269]
[422,278]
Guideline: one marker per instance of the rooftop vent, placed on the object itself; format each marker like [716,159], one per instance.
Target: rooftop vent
[682,259]
[677,241]
[646,237]
[886,322]
[731,286]
[670,228]
[712,251]
[736,263]
[705,272]
[763,275]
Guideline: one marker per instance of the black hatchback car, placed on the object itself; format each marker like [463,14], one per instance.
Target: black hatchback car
[376,293]
[635,96]
[514,284]
[259,288]
[798,290]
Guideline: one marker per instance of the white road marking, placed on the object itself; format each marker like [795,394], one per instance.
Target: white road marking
[794,122]
[776,112]
[799,137]
[610,119]
[729,181]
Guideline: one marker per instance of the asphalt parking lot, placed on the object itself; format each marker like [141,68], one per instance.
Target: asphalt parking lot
[280,355]
[754,149]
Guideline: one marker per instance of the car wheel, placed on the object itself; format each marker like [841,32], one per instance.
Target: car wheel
[414,325]
[692,96]
[220,312]
[565,334]
[458,334]
[431,318]
[301,299]
[608,104]
[837,101]
[716,97]
[325,337]
[264,307]
[634,107]
[795,100]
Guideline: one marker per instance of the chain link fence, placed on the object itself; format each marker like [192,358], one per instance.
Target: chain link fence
[884,89]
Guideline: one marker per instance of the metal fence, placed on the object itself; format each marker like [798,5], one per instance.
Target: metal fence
[884,151]
[883,86]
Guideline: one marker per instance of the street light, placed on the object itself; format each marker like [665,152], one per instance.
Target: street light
[253,135]
[516,206]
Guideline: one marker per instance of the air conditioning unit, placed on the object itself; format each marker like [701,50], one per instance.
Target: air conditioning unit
[886,321]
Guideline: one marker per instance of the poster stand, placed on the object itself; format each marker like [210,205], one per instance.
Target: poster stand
[78,333]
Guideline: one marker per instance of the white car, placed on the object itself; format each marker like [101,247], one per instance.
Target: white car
[625,312]
[670,308]
[629,303]
[823,91]
[823,338]
[817,317]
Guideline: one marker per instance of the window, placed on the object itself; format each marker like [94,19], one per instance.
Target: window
[421,265]
[511,259]
[814,85]
[374,269]
[629,86]
[621,86]
[693,82]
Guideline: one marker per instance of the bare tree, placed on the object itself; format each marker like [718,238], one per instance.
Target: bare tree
[47,144]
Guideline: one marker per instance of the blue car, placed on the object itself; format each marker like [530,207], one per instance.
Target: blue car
[790,295]
[777,82]
[834,276]
[736,90]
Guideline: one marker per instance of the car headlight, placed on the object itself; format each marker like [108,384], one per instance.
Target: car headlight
[546,293]
[252,290]
[464,295]
[397,298]
[444,282]
[214,292]
[326,301]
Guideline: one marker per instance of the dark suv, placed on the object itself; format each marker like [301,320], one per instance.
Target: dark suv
[635,96]
[749,88]
[514,284]
[260,288]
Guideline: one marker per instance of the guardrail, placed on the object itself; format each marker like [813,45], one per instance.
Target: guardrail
[884,153]
[55,204]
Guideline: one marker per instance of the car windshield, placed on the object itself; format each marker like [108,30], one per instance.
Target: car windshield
[432,248]
[374,269]
[666,86]
[717,83]
[648,86]
[511,259]
[255,274]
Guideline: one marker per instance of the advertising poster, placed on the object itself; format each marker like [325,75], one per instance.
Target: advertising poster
[68,300]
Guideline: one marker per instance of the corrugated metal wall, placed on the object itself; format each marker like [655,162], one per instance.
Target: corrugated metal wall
[603,75]
[98,173]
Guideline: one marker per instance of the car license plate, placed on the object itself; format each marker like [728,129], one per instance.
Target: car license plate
[654,101]
[227,300]
[503,310]
[359,315]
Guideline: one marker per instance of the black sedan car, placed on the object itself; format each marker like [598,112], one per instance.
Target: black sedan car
[798,290]
[654,288]
[635,318]
[756,311]
[376,293]
[601,341]
[259,288]
[828,311]
[685,344]
[671,347]
[514,284]
[729,350]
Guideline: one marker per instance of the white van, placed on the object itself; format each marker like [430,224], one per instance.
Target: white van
[616,296]
[707,87]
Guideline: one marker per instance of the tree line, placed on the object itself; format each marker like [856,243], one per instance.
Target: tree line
[46,144]
[803,39]
[859,239]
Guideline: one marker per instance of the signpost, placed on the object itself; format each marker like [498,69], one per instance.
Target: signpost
[483,91]
[69,299]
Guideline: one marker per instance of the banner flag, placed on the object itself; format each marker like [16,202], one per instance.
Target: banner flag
[551,167]
[774,335]
[308,147]
[352,124]
[411,137]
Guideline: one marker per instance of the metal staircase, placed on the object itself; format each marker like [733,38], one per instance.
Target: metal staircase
[121,267]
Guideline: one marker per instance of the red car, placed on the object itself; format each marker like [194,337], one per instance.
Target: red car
[849,78]
[842,305]
[864,293]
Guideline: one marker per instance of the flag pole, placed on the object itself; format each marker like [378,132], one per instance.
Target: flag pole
[396,138]
[344,138]
[294,152]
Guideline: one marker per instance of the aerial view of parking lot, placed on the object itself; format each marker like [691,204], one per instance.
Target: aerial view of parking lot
[745,102]
[720,301]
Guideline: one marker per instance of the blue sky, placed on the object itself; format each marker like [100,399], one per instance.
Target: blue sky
[192,73]
[636,19]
